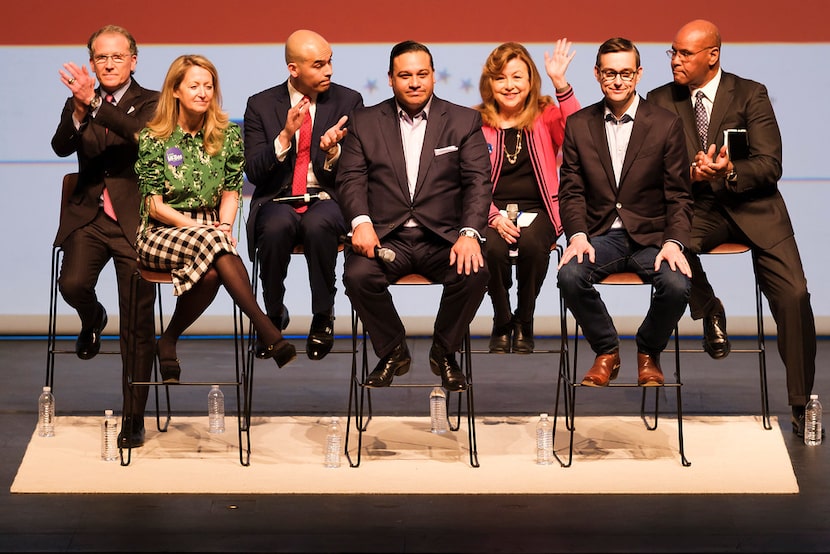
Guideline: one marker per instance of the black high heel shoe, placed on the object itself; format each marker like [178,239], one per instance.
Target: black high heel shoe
[169,368]
[282,351]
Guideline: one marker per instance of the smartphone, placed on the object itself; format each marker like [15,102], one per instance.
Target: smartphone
[737,144]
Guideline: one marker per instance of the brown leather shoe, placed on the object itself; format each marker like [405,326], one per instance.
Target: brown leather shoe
[605,369]
[649,373]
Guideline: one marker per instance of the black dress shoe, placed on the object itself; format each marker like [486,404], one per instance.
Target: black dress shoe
[132,433]
[89,339]
[798,422]
[715,338]
[523,342]
[395,363]
[280,322]
[443,363]
[320,336]
[500,339]
[282,351]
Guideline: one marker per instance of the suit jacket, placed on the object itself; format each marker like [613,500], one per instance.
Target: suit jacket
[453,189]
[753,201]
[653,199]
[265,117]
[105,157]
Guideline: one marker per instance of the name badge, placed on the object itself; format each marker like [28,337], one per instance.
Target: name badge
[174,156]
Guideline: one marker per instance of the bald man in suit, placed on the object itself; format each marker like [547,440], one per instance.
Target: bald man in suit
[626,205]
[738,200]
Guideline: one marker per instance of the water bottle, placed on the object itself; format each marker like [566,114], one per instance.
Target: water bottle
[46,413]
[109,437]
[812,422]
[334,439]
[216,410]
[544,441]
[513,248]
[438,410]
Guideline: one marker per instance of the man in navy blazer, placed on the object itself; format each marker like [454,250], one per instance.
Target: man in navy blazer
[272,130]
[414,177]
[738,200]
[101,126]
[626,205]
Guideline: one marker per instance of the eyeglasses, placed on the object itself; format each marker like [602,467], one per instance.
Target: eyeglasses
[609,75]
[685,54]
[101,59]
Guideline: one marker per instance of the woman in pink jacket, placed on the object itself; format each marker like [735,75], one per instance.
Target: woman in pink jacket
[524,131]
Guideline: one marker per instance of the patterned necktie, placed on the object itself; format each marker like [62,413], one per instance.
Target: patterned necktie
[108,208]
[701,119]
[298,186]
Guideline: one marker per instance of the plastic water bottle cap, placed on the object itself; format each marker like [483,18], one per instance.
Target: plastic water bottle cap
[813,397]
[107,412]
[47,389]
[543,415]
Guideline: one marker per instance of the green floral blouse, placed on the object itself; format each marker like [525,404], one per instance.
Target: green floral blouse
[184,174]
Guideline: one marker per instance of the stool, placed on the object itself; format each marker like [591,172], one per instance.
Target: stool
[562,350]
[360,395]
[568,384]
[70,181]
[760,349]
[252,336]
[241,382]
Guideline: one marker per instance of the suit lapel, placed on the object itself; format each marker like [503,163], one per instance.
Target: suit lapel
[321,120]
[391,136]
[642,126]
[682,101]
[720,107]
[596,126]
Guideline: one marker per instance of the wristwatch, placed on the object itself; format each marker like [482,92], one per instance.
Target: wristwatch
[732,176]
[95,103]
[469,233]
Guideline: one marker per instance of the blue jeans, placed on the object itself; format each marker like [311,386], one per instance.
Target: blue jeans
[616,252]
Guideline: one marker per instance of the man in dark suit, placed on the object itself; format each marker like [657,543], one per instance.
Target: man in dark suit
[738,200]
[100,220]
[414,177]
[626,205]
[280,169]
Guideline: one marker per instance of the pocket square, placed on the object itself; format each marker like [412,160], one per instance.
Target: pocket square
[445,150]
[131,110]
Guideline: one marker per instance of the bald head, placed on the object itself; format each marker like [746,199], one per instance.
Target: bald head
[308,56]
[300,44]
[697,53]
[700,30]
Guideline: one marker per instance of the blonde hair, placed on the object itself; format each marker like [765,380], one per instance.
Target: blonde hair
[167,112]
[493,68]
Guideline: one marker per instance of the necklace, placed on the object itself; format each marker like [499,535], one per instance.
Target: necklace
[515,155]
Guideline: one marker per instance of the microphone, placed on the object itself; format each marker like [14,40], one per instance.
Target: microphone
[384,254]
[513,249]
[305,198]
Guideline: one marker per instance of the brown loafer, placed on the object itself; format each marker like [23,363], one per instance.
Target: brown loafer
[605,369]
[649,373]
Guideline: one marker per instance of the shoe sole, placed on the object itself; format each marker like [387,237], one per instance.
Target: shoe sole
[717,354]
[613,376]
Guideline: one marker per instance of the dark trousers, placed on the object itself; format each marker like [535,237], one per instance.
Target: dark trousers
[278,229]
[781,277]
[616,252]
[86,251]
[531,269]
[416,251]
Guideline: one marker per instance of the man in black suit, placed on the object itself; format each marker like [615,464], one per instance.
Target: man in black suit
[100,220]
[738,200]
[414,177]
[626,205]
[279,167]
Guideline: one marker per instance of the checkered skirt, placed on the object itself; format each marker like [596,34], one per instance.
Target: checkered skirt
[186,252]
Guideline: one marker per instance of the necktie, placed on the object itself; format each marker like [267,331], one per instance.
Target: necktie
[108,209]
[701,119]
[298,186]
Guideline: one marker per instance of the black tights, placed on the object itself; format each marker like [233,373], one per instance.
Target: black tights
[228,270]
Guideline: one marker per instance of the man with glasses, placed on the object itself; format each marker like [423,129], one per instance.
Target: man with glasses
[737,199]
[100,220]
[626,205]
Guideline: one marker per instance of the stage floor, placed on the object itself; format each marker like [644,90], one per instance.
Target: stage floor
[433,522]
